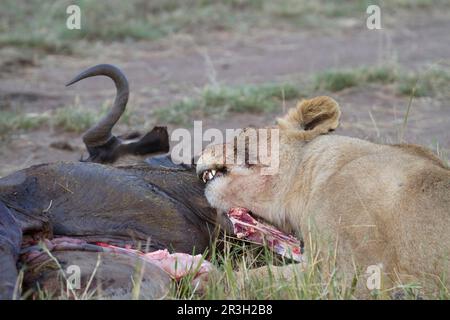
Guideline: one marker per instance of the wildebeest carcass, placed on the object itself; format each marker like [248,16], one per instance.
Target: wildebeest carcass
[151,205]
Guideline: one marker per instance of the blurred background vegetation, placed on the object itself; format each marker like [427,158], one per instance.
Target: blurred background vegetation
[244,49]
[41,24]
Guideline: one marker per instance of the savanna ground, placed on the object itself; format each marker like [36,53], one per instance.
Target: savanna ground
[231,63]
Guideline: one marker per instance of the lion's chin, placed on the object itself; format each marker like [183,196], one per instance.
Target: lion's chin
[247,225]
[216,193]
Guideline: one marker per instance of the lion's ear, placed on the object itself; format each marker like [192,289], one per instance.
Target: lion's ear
[311,118]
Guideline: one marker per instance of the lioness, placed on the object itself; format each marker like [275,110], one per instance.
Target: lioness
[378,204]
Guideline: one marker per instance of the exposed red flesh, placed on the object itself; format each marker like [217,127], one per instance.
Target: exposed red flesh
[177,265]
[247,227]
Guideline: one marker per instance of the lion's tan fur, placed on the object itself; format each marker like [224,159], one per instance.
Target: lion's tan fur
[380,204]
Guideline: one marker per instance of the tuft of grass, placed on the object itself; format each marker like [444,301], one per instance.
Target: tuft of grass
[78,118]
[74,119]
[237,277]
[219,100]
[11,121]
[425,84]
[337,80]
[382,74]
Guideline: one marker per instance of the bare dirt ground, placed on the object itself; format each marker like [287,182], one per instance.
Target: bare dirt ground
[163,72]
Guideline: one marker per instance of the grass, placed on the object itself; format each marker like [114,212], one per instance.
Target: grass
[441,153]
[337,80]
[11,121]
[320,278]
[72,118]
[41,24]
[217,101]
[234,277]
[220,100]
[68,119]
[78,118]
[427,83]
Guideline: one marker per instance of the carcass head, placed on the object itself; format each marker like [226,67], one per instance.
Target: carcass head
[102,145]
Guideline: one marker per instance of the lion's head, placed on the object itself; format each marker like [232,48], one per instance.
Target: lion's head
[255,170]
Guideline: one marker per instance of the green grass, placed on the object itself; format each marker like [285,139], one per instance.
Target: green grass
[41,24]
[383,75]
[12,121]
[320,278]
[72,118]
[337,80]
[78,118]
[69,119]
[220,100]
[424,83]
[217,101]
[234,277]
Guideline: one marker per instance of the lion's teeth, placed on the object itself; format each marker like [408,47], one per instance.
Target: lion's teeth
[208,175]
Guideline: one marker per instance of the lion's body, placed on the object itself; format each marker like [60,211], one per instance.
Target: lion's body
[382,204]
[376,204]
